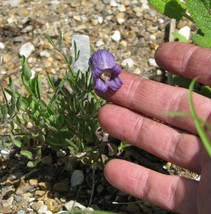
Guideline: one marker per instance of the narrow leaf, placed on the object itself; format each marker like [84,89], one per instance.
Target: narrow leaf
[60,40]
[49,40]
[199,126]
[50,82]
[26,71]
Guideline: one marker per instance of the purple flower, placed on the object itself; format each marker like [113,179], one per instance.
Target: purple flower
[105,71]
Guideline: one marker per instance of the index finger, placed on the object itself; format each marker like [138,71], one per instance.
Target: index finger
[155,100]
[185,59]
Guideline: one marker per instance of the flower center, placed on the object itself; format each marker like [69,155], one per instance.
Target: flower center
[106,75]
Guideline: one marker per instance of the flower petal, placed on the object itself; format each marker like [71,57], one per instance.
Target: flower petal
[96,73]
[101,85]
[115,83]
[102,60]
[116,70]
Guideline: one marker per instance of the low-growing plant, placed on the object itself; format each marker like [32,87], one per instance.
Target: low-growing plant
[66,119]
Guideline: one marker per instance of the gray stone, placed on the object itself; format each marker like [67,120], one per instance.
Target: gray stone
[18,198]
[99,43]
[21,212]
[77,178]
[26,49]
[83,45]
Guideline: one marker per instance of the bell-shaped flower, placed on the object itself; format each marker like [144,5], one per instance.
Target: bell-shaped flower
[105,71]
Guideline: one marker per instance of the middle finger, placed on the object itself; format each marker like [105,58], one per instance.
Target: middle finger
[170,144]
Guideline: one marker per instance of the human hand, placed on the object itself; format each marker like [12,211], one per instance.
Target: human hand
[128,119]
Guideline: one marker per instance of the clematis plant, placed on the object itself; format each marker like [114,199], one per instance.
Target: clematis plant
[105,71]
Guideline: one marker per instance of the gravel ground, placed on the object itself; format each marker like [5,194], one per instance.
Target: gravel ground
[129,29]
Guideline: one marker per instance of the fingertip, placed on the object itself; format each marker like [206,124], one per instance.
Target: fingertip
[113,171]
[104,113]
[108,168]
[163,51]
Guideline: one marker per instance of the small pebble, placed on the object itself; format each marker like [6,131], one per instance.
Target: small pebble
[128,63]
[73,204]
[116,36]
[152,62]
[43,209]
[99,43]
[77,178]
[2,46]
[21,212]
[26,49]
[185,31]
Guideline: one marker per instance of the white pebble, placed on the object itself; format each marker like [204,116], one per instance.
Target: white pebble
[116,36]
[152,37]
[100,19]
[99,43]
[120,20]
[113,3]
[33,74]
[152,62]
[73,204]
[12,3]
[185,31]
[43,209]
[45,53]
[4,152]
[2,46]
[127,63]
[3,72]
[161,21]
[121,8]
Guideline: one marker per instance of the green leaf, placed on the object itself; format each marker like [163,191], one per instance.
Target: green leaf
[179,37]
[50,82]
[19,102]
[32,164]
[76,52]
[26,71]
[38,86]
[17,143]
[26,153]
[60,40]
[203,41]
[200,13]
[171,8]
[25,118]
[24,104]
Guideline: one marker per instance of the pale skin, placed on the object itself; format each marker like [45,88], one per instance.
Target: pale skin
[176,141]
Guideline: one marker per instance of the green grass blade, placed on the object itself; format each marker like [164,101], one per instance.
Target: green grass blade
[199,125]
